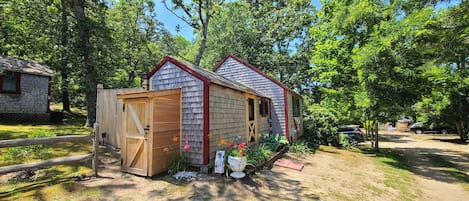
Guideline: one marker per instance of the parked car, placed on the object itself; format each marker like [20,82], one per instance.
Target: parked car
[418,128]
[355,135]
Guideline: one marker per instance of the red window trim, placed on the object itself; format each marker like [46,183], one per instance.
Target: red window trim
[18,84]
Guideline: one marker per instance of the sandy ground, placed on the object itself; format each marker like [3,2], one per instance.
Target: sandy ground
[434,180]
[330,174]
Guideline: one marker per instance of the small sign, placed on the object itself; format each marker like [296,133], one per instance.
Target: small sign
[220,162]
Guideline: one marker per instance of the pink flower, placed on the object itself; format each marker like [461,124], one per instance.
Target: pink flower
[242,145]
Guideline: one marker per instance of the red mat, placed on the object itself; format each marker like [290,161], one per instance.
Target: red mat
[289,164]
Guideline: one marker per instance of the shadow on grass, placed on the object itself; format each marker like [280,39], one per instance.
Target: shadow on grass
[453,141]
[432,163]
[37,185]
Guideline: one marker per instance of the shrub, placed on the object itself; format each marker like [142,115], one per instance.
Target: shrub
[179,164]
[273,142]
[320,126]
[344,140]
[28,153]
[300,147]
[257,155]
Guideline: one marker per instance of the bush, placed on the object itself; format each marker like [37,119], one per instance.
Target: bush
[178,165]
[300,147]
[257,155]
[344,140]
[320,126]
[273,142]
[27,153]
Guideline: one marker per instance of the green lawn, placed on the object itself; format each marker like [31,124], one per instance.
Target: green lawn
[52,181]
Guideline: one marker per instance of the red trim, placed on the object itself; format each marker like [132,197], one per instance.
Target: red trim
[48,96]
[285,99]
[206,124]
[206,81]
[18,83]
[180,65]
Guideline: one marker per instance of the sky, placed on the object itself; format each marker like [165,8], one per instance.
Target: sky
[170,21]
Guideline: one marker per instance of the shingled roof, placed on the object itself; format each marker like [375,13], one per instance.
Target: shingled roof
[24,66]
[209,75]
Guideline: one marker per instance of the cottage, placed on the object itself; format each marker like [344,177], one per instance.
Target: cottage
[286,115]
[213,107]
[24,90]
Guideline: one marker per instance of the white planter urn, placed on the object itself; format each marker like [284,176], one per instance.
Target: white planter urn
[237,165]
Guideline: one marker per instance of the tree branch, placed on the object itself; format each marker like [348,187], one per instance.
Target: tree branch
[187,11]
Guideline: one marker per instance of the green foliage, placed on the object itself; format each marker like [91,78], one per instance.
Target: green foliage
[320,126]
[300,147]
[273,142]
[179,164]
[258,155]
[344,140]
[28,153]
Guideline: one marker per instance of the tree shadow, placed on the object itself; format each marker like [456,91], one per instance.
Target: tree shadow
[431,163]
[453,141]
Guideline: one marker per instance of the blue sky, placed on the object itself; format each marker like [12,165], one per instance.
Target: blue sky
[170,21]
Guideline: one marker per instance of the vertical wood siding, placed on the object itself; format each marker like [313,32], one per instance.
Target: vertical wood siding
[169,76]
[235,70]
[109,112]
[33,97]
[227,116]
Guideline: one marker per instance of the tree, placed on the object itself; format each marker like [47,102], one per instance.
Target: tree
[196,14]
[136,33]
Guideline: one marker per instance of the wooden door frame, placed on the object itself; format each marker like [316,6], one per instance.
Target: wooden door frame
[247,122]
[147,115]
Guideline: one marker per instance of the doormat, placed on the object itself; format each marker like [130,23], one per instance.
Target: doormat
[289,164]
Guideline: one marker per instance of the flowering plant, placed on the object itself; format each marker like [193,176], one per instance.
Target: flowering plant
[235,149]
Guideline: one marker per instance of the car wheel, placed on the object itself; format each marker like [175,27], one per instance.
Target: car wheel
[418,131]
[353,142]
[444,132]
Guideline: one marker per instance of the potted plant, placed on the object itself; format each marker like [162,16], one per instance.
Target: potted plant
[236,158]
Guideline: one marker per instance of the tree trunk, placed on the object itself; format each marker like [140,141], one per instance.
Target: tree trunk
[64,88]
[64,64]
[86,51]
[375,126]
[203,42]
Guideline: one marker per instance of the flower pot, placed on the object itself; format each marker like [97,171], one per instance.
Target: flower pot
[237,165]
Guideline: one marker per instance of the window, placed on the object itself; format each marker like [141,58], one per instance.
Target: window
[296,107]
[10,82]
[264,107]
[251,108]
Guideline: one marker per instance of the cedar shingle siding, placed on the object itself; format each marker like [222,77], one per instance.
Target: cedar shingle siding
[235,70]
[169,76]
[227,116]
[32,99]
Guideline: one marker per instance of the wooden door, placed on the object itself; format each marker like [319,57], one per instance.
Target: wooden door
[136,127]
[251,125]
[166,136]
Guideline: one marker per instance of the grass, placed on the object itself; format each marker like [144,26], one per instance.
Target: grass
[53,183]
[396,171]
[452,169]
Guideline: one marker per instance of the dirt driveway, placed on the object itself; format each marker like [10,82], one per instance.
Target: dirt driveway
[434,168]
[439,163]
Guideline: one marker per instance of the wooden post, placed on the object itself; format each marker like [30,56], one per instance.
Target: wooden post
[145,84]
[94,163]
